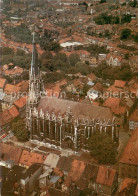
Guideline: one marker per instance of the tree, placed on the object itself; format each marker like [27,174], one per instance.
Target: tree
[19,130]
[125,34]
[6,51]
[133,3]
[102,148]
[73,59]
[103,1]
[126,19]
[136,38]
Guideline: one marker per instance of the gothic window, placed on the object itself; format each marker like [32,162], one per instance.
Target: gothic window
[34,126]
[46,129]
[86,132]
[53,130]
[58,132]
[41,126]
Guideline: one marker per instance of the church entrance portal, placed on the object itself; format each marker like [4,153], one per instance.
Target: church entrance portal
[68,143]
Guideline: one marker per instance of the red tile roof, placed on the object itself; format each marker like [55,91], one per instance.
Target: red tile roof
[75,172]
[113,89]
[14,112]
[105,176]
[2,82]
[10,152]
[114,104]
[9,89]
[24,85]
[7,115]
[28,158]
[134,116]
[91,76]
[119,83]
[16,70]
[130,154]
[136,192]
[126,184]
[21,102]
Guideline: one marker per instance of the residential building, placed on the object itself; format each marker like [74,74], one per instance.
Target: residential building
[128,164]
[106,181]
[133,121]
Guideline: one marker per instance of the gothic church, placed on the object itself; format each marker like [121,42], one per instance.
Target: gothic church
[60,122]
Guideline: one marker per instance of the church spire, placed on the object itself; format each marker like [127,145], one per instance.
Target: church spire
[34,62]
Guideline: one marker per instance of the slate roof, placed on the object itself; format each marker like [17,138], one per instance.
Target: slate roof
[64,163]
[89,174]
[79,110]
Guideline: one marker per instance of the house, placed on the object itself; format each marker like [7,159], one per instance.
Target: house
[92,94]
[127,187]
[70,88]
[117,107]
[133,62]
[48,166]
[91,77]
[29,179]
[23,85]
[119,84]
[133,121]
[20,103]
[55,179]
[65,164]
[51,161]
[16,71]
[88,178]
[9,179]
[128,164]
[2,84]
[11,89]
[74,175]
[106,181]
[113,60]
[93,61]
[6,116]
[28,158]
[101,57]
[9,155]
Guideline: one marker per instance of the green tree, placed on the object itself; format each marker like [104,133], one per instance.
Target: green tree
[73,59]
[103,1]
[6,51]
[126,19]
[102,148]
[125,34]
[19,130]
[136,38]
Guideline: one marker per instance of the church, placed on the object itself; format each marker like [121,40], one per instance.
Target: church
[60,122]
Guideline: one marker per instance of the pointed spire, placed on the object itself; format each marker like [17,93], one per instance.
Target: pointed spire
[34,62]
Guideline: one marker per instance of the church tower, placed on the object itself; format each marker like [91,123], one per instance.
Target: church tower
[36,86]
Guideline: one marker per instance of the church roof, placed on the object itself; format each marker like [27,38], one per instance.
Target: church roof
[79,110]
